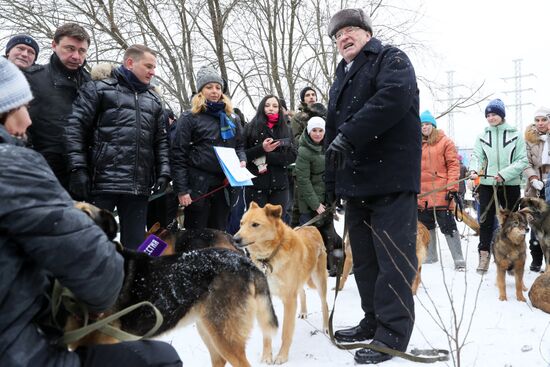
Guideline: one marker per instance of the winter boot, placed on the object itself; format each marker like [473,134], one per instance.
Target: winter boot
[484,258]
[453,241]
[536,254]
[431,257]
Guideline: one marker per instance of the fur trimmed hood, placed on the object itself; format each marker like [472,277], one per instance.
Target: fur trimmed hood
[532,135]
[104,70]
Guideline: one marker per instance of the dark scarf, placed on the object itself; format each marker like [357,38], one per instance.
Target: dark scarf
[227,127]
[132,79]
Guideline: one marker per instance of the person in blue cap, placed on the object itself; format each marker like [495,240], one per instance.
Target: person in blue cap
[22,50]
[499,158]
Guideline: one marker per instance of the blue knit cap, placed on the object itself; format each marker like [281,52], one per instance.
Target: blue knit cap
[427,117]
[496,106]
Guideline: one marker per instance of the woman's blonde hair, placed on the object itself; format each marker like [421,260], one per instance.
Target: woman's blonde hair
[198,104]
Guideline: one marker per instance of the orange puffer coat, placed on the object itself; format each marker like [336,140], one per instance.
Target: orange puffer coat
[440,166]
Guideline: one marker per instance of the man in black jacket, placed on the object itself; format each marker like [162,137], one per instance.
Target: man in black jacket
[42,236]
[116,143]
[54,87]
[373,161]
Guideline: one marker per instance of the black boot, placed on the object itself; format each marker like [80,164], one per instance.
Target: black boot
[354,334]
[369,356]
[536,254]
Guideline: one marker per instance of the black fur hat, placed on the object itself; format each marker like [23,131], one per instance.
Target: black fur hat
[347,18]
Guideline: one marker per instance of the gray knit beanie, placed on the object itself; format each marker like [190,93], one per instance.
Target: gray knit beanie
[14,88]
[348,18]
[207,75]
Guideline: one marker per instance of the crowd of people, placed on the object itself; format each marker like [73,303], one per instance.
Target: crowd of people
[108,138]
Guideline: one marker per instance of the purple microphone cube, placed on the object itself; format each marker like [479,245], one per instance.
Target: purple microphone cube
[152,246]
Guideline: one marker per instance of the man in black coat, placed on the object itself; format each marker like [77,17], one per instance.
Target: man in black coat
[116,143]
[373,161]
[43,236]
[54,87]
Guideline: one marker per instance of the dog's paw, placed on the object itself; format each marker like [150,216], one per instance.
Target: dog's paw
[521,298]
[302,315]
[503,298]
[281,359]
[267,359]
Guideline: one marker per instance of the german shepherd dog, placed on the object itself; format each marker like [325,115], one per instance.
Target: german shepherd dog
[185,240]
[422,243]
[539,218]
[291,258]
[510,250]
[220,289]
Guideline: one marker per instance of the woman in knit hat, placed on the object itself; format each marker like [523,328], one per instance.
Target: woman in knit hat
[536,142]
[270,149]
[440,166]
[499,158]
[195,168]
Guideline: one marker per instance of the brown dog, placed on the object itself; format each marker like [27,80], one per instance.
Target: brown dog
[538,214]
[220,290]
[422,243]
[290,258]
[509,250]
[539,294]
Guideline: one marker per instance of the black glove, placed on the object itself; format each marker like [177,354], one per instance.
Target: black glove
[79,184]
[161,185]
[337,151]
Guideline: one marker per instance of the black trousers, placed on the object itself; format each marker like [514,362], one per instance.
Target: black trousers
[262,197]
[163,209]
[58,164]
[143,353]
[507,198]
[132,215]
[382,232]
[445,219]
[209,212]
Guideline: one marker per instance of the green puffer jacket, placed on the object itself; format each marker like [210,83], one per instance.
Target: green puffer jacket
[310,171]
[499,150]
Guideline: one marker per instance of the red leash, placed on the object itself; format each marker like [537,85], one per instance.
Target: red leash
[225,184]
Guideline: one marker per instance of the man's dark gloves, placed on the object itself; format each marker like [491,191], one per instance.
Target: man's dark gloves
[337,151]
[161,185]
[79,184]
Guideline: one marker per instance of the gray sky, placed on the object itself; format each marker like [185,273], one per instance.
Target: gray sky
[478,40]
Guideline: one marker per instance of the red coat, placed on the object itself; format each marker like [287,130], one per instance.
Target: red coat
[440,166]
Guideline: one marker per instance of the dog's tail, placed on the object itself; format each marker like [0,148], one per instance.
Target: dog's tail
[265,314]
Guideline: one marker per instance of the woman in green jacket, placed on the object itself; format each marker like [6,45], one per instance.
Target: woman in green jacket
[500,157]
[310,169]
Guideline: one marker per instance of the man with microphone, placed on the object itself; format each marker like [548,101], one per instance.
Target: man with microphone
[54,87]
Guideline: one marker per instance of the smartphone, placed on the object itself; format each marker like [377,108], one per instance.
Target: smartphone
[285,142]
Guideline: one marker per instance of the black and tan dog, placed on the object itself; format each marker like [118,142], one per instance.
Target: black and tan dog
[219,289]
[185,240]
[539,219]
[510,250]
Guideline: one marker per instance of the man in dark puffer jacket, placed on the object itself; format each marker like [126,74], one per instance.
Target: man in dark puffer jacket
[116,143]
[54,87]
[42,236]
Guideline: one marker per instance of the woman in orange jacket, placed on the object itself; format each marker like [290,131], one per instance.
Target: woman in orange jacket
[440,167]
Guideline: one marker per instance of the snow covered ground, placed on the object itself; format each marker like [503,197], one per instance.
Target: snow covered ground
[493,333]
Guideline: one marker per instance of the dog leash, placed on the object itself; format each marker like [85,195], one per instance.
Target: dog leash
[61,295]
[435,355]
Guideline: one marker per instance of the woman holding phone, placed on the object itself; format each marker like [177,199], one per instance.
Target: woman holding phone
[269,151]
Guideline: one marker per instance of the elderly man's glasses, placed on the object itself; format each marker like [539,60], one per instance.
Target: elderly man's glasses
[342,32]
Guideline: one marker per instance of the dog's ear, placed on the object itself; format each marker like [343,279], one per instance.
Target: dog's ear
[502,216]
[253,205]
[273,210]
[154,229]
[108,223]
[528,213]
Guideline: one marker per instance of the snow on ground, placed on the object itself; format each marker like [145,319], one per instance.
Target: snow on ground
[494,333]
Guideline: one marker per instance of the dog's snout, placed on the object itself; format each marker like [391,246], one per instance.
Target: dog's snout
[238,240]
